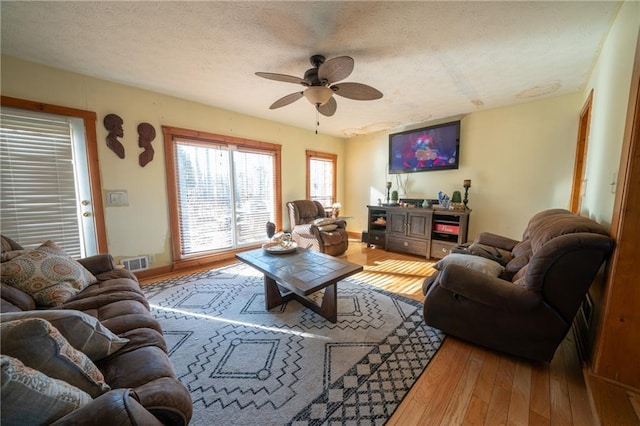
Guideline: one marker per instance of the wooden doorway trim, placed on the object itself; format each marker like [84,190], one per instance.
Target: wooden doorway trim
[581,156]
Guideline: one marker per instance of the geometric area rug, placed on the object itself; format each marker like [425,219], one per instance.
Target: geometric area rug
[244,365]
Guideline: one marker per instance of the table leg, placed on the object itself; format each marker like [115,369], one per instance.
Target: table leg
[329,307]
[272,296]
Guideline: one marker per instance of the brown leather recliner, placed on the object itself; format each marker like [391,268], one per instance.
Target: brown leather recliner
[303,217]
[527,310]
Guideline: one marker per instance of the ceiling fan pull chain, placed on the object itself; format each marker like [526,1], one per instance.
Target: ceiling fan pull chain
[317,119]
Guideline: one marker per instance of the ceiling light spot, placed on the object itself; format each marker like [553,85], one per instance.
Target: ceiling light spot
[539,90]
[477,102]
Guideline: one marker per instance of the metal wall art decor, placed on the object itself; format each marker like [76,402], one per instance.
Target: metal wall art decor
[146,134]
[113,123]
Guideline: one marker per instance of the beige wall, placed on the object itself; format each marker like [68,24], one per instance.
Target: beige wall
[610,82]
[519,160]
[142,228]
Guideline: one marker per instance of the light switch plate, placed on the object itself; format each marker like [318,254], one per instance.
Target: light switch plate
[117,197]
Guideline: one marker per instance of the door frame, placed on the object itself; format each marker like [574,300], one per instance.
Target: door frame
[579,169]
[616,346]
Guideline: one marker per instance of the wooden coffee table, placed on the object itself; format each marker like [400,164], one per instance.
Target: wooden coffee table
[298,274]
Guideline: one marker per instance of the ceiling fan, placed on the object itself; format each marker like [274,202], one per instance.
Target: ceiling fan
[321,83]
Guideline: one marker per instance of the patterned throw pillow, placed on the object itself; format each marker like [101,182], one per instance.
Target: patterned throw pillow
[54,398]
[38,345]
[82,331]
[48,274]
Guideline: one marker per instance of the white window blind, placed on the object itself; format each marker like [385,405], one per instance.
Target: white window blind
[37,181]
[225,196]
[254,177]
[321,180]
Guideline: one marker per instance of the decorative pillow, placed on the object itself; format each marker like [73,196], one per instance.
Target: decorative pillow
[40,346]
[328,228]
[8,255]
[82,331]
[52,397]
[47,274]
[487,266]
[324,221]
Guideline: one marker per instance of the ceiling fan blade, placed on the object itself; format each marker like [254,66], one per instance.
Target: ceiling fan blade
[336,69]
[286,100]
[357,91]
[329,108]
[282,77]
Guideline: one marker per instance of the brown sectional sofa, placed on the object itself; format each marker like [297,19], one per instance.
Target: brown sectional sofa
[144,386]
[518,297]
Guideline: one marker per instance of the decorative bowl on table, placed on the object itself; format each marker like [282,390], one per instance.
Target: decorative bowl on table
[280,247]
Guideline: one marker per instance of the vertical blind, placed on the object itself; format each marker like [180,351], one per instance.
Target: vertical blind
[225,195]
[38,196]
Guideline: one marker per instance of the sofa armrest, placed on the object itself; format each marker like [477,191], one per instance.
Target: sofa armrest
[116,407]
[495,240]
[99,263]
[488,290]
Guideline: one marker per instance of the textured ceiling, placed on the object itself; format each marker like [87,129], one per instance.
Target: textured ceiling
[431,60]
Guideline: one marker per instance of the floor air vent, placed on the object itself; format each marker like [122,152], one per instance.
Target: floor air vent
[136,263]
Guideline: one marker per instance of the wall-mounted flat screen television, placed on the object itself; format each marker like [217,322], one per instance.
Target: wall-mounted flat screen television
[426,149]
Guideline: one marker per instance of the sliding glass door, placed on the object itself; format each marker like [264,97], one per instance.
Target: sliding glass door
[225,195]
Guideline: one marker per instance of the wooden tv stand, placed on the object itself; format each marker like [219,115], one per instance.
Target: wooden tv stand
[425,232]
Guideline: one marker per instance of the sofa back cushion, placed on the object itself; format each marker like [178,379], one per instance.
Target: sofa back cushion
[302,212]
[552,227]
[15,300]
[542,217]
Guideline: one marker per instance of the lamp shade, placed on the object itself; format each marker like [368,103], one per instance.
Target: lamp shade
[318,95]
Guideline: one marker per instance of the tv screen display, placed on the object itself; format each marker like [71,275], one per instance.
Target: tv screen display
[426,149]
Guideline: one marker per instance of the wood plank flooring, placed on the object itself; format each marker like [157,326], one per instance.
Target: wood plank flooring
[468,385]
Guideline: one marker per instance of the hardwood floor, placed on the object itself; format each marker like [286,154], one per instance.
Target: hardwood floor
[470,385]
[467,384]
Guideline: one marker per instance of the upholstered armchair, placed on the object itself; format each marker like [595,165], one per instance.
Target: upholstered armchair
[312,230]
[518,297]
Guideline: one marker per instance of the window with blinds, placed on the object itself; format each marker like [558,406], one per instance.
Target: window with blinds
[38,180]
[225,195]
[321,177]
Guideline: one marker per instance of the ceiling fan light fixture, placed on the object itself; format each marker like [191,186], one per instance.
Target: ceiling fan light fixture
[318,95]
